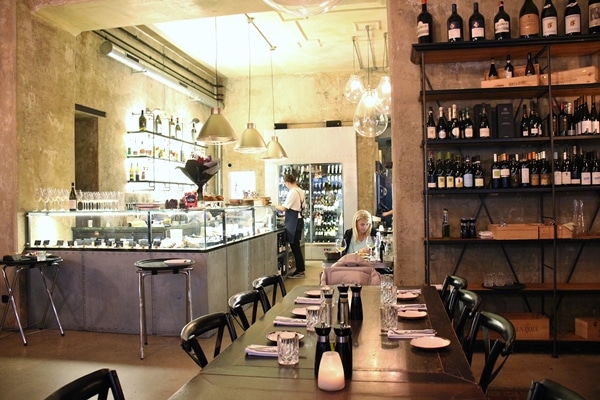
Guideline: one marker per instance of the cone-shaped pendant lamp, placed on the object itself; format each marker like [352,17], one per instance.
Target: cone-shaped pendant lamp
[274,149]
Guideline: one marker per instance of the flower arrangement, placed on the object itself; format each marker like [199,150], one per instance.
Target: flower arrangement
[200,170]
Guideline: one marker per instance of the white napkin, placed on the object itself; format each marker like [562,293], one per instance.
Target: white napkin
[261,351]
[307,300]
[287,321]
[409,334]
[422,307]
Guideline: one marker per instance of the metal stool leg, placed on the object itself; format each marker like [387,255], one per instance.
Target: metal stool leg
[49,292]
[188,294]
[11,298]
[142,299]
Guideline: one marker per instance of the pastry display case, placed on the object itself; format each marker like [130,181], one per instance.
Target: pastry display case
[156,229]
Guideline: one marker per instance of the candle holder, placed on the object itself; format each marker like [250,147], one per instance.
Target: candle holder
[331,372]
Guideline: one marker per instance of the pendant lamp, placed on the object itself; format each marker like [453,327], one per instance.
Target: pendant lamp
[302,8]
[384,91]
[216,130]
[274,149]
[354,87]
[251,140]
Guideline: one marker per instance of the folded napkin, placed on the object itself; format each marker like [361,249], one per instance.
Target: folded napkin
[287,321]
[420,307]
[409,334]
[261,351]
[418,291]
[307,300]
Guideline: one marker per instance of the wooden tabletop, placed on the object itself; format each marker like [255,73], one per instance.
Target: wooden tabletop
[381,366]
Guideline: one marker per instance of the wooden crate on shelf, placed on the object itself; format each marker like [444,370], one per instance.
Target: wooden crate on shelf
[562,231]
[514,231]
[529,326]
[572,76]
[588,328]
[518,79]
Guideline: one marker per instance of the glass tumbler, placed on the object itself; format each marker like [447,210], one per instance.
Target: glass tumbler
[288,348]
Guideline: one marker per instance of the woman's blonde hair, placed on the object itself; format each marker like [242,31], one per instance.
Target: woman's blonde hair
[360,214]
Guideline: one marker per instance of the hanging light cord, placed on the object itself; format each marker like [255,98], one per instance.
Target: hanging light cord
[273,91]
[216,60]
[250,21]
[368,58]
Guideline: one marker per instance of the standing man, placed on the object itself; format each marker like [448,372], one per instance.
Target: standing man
[294,224]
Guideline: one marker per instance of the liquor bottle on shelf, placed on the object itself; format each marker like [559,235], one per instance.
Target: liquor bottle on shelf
[441,127]
[484,125]
[424,25]
[525,122]
[468,173]
[72,198]
[595,168]
[142,122]
[586,121]
[496,181]
[594,16]
[545,171]
[449,172]
[445,224]
[137,172]
[524,172]
[571,123]
[566,168]
[562,121]
[594,118]
[468,125]
[459,181]
[493,73]
[529,68]
[455,26]
[529,20]
[549,19]
[431,178]
[430,124]
[178,129]
[476,24]
[454,126]
[439,173]
[171,129]
[504,171]
[556,170]
[158,126]
[478,174]
[586,170]
[509,69]
[572,18]
[534,169]
[502,23]
[131,173]
[575,167]
[534,122]
[515,166]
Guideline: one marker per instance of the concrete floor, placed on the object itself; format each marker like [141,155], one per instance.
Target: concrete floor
[49,361]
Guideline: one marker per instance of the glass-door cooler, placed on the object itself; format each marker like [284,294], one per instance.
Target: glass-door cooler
[322,185]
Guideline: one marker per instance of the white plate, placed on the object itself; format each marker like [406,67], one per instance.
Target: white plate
[300,311]
[177,261]
[313,293]
[273,335]
[407,295]
[412,314]
[430,342]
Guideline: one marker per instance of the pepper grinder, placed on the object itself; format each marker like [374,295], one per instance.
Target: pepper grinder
[343,345]
[322,345]
[343,310]
[327,307]
[356,311]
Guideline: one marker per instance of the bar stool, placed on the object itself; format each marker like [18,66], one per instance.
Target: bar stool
[21,263]
[157,266]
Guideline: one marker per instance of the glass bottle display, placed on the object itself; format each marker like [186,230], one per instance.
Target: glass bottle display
[323,188]
[501,23]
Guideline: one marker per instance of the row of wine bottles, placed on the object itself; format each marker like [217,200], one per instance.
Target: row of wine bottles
[532,23]
[532,169]
[458,125]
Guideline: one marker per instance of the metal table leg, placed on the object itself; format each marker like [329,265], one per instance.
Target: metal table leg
[142,301]
[11,299]
[49,292]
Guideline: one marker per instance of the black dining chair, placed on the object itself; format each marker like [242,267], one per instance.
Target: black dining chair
[201,325]
[449,287]
[499,344]
[237,302]
[464,313]
[547,389]
[274,281]
[97,383]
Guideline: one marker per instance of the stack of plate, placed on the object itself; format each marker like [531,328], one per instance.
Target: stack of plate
[485,235]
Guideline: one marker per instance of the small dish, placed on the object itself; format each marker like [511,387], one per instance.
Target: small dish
[407,295]
[430,342]
[300,311]
[273,335]
[313,293]
[177,261]
[412,314]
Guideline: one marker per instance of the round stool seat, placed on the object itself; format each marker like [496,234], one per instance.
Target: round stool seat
[156,265]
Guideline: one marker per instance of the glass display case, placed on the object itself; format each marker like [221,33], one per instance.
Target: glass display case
[323,187]
[144,229]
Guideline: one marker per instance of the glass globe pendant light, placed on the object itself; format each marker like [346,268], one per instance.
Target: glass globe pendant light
[384,91]
[354,87]
[302,8]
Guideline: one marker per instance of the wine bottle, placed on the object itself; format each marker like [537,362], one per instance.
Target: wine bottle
[586,170]
[441,128]
[478,174]
[454,126]
[562,121]
[449,172]
[525,122]
[571,123]
[445,224]
[484,125]
[431,134]
[529,20]
[439,173]
[455,26]
[468,173]
[493,73]
[534,169]
[594,118]
[424,25]
[496,181]
[131,173]
[171,127]
[594,16]
[545,172]
[178,134]
[509,69]
[586,121]
[572,18]
[566,169]
[142,122]
[524,172]
[72,198]
[595,167]
[557,170]
[515,166]
[468,125]
[502,23]
[431,178]
[504,171]
[158,126]
[575,167]
[476,24]
[459,181]
[549,20]
[529,68]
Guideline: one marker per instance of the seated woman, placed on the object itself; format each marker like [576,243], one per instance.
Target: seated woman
[356,237]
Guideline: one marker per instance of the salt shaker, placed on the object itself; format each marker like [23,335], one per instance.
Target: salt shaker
[343,307]
[356,311]
[343,345]
[327,307]
[322,344]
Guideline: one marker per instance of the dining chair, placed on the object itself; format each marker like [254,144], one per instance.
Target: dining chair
[350,275]
[547,389]
[237,302]
[270,281]
[499,344]
[97,383]
[464,313]
[201,325]
[449,287]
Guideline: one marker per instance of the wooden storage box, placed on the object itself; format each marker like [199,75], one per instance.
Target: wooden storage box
[547,232]
[514,231]
[572,76]
[588,328]
[518,79]
[529,326]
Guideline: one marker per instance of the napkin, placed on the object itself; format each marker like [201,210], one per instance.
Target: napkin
[409,334]
[287,321]
[417,291]
[261,351]
[307,300]
[420,307]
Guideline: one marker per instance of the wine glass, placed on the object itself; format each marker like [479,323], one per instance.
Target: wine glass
[370,242]
[340,245]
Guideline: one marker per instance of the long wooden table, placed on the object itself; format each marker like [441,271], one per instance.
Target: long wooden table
[382,367]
